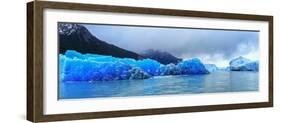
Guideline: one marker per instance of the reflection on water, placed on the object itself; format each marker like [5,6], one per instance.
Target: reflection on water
[221,81]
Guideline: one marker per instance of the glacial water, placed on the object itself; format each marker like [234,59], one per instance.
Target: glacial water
[220,81]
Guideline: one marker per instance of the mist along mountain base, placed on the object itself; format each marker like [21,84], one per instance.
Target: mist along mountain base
[91,66]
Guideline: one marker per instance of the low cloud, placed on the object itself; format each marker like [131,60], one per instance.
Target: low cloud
[184,43]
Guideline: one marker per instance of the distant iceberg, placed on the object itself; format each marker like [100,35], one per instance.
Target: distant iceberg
[224,68]
[185,67]
[243,64]
[75,66]
[211,67]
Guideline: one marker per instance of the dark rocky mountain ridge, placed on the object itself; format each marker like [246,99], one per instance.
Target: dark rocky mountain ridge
[77,37]
[161,56]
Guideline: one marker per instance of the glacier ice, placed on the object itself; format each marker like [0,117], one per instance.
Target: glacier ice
[251,66]
[88,70]
[74,66]
[138,73]
[243,64]
[211,67]
[169,69]
[192,66]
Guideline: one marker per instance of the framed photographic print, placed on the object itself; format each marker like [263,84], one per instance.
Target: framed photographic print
[96,61]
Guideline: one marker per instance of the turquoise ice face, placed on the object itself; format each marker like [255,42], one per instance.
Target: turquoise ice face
[75,66]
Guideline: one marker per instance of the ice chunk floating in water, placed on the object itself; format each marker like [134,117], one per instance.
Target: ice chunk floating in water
[75,66]
[192,66]
[243,64]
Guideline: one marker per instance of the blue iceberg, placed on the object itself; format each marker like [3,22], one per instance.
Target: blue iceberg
[138,73]
[192,66]
[74,66]
[251,66]
[89,70]
[243,64]
[91,67]
[169,69]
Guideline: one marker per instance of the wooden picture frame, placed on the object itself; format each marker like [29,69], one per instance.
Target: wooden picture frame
[35,62]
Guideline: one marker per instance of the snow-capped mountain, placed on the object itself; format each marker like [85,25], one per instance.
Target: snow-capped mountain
[243,64]
[67,28]
[77,37]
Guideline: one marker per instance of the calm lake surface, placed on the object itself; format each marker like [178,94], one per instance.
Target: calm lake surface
[221,81]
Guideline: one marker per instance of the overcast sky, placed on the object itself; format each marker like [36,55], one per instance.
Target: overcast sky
[211,46]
